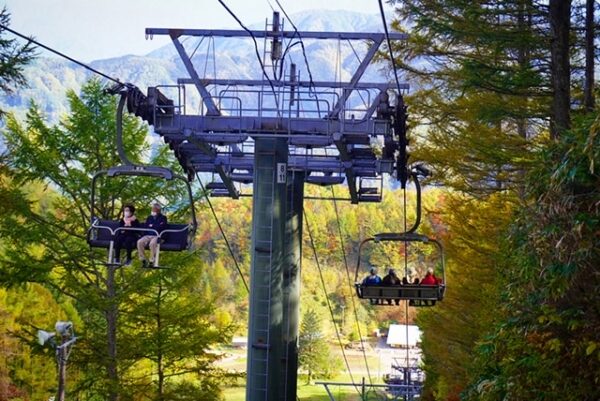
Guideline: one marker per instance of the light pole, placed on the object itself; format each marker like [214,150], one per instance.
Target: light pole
[64,330]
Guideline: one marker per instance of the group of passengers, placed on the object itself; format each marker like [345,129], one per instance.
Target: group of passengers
[131,234]
[392,279]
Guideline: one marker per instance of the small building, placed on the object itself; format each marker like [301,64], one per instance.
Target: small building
[397,336]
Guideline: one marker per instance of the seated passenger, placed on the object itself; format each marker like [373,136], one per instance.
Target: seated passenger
[390,280]
[407,280]
[372,278]
[126,238]
[157,222]
[429,278]
[416,281]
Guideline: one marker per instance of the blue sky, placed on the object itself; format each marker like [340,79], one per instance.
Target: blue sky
[96,29]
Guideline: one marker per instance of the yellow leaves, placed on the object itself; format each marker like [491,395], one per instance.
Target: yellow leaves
[554,345]
[592,346]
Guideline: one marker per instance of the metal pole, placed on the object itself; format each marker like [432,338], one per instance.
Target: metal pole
[291,281]
[265,328]
[61,356]
[363,389]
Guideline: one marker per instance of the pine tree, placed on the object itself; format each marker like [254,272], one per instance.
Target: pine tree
[483,84]
[174,329]
[13,58]
[313,349]
[45,242]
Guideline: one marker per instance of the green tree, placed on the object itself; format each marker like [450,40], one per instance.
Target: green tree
[45,242]
[483,69]
[545,344]
[313,349]
[13,58]
[499,76]
[174,329]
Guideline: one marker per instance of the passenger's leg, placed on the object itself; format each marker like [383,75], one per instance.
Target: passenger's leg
[129,245]
[153,245]
[118,246]
[141,246]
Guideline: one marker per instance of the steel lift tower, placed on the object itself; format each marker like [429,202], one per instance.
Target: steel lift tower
[277,134]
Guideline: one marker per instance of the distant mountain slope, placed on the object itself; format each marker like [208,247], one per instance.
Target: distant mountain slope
[50,78]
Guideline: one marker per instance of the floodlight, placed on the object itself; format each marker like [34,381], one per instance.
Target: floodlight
[63,328]
[44,336]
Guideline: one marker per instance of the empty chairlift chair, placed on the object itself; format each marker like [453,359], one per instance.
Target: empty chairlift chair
[174,238]
[417,294]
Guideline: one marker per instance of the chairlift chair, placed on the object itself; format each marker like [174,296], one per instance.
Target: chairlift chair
[174,238]
[416,294]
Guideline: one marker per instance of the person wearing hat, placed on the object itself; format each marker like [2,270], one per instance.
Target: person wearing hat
[157,222]
[429,278]
[389,280]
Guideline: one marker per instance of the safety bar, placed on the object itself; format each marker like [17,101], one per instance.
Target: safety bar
[190,228]
[403,237]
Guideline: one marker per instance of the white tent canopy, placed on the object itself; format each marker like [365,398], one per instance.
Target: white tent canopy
[397,335]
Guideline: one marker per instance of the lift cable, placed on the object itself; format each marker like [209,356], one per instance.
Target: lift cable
[406,275]
[393,61]
[262,66]
[237,266]
[343,249]
[389,45]
[337,333]
[51,50]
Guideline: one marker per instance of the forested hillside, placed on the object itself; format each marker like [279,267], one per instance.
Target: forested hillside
[507,119]
[502,111]
[46,201]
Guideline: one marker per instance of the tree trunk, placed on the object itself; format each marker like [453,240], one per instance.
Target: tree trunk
[524,21]
[589,101]
[560,24]
[112,313]
[523,57]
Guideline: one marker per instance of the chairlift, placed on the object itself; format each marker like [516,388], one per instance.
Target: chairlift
[174,238]
[102,232]
[417,295]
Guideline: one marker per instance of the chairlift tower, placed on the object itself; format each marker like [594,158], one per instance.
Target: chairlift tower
[277,134]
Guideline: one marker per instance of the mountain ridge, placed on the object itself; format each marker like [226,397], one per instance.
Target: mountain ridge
[50,78]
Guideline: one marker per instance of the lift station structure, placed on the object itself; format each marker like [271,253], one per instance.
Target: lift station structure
[276,134]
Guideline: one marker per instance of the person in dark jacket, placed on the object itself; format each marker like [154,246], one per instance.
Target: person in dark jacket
[389,280]
[126,238]
[157,222]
